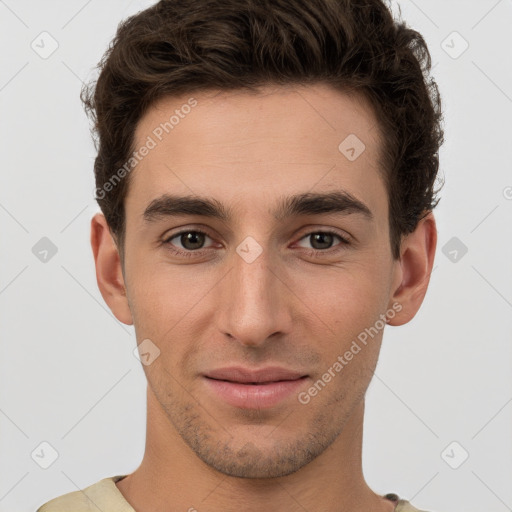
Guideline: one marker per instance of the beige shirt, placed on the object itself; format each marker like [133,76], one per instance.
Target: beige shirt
[105,496]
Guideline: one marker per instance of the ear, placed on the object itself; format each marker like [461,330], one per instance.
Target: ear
[109,273]
[417,252]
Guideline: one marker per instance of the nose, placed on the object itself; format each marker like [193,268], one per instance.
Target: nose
[255,301]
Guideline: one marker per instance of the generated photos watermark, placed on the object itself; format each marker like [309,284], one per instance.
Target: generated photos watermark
[151,142]
[304,397]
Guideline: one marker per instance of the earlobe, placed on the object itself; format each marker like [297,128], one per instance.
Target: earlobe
[416,261]
[109,273]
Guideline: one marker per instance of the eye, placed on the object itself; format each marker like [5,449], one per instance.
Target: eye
[323,240]
[190,240]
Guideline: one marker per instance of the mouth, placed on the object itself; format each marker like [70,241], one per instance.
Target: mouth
[254,376]
[256,392]
[263,383]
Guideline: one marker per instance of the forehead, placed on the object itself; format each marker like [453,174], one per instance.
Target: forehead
[240,144]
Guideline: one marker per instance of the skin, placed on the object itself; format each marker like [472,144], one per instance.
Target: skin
[287,308]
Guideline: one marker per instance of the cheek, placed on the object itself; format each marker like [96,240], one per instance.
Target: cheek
[154,299]
[168,306]
[348,299]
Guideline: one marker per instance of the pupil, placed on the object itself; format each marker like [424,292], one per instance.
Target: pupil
[322,236]
[193,238]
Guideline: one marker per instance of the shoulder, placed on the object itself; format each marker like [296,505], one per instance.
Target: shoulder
[100,495]
[406,506]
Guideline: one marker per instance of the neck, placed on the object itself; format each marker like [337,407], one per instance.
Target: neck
[172,478]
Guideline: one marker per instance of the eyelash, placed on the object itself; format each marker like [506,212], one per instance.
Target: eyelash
[310,252]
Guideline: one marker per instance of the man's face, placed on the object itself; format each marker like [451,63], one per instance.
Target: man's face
[265,286]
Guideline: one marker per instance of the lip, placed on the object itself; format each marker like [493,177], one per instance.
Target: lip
[254,389]
[245,375]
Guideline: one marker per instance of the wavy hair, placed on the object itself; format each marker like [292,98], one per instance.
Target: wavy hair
[180,46]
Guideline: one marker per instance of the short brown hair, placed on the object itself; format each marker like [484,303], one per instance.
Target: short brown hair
[180,46]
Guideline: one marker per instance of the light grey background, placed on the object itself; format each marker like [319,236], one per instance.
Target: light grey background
[68,376]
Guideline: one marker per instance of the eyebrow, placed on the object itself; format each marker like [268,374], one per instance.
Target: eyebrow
[338,202]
